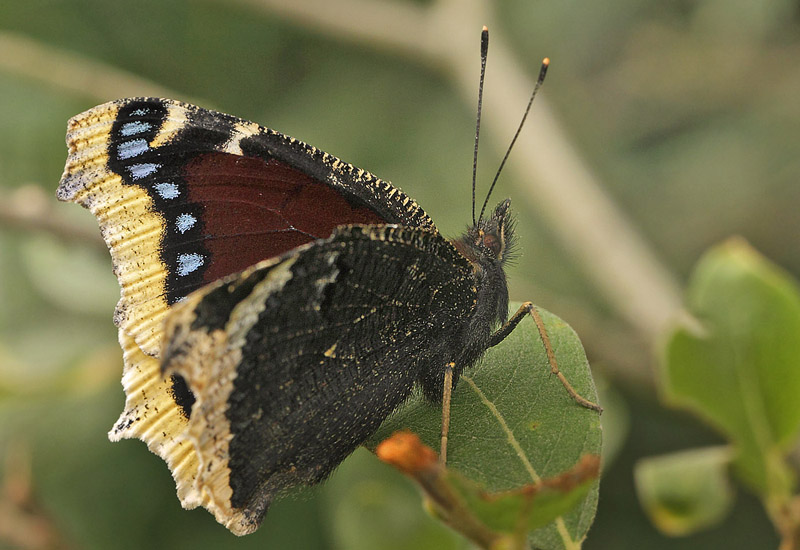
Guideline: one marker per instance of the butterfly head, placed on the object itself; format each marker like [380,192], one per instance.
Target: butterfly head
[488,245]
[491,241]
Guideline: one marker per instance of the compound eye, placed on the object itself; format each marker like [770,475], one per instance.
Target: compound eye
[493,243]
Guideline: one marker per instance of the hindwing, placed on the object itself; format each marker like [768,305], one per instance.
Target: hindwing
[294,362]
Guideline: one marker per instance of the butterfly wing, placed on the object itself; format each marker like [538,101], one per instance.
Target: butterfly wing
[184,196]
[296,361]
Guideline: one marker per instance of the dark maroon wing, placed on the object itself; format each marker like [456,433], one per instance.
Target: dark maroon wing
[185,196]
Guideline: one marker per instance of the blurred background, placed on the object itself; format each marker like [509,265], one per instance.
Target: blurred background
[662,129]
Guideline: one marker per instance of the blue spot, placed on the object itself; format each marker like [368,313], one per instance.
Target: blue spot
[189,262]
[131,148]
[185,222]
[133,128]
[167,190]
[139,171]
[141,111]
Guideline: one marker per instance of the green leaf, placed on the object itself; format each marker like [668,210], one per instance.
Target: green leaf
[740,369]
[687,491]
[532,506]
[513,423]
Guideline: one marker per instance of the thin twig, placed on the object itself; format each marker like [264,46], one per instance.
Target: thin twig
[407,453]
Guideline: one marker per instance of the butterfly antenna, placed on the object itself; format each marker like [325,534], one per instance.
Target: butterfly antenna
[484,51]
[542,73]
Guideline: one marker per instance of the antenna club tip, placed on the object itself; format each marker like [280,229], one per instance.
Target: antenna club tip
[485,29]
[546,61]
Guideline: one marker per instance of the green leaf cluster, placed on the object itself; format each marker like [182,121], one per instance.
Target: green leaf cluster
[735,362]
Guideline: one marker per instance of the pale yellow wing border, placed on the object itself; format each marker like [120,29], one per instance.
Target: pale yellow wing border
[152,415]
[130,226]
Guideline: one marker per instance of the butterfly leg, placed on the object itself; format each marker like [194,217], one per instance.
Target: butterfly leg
[529,309]
[447,391]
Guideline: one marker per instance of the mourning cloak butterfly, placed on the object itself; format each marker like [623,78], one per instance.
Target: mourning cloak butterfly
[277,304]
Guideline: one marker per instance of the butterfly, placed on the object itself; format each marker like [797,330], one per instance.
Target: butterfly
[277,303]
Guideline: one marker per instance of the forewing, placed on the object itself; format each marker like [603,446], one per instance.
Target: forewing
[296,361]
[185,196]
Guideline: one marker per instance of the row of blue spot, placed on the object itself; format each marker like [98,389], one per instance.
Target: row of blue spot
[187,262]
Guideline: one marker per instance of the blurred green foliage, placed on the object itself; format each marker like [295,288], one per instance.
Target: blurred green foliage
[687,111]
[736,364]
[685,491]
[740,368]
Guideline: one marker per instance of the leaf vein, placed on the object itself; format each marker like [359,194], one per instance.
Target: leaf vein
[561,525]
